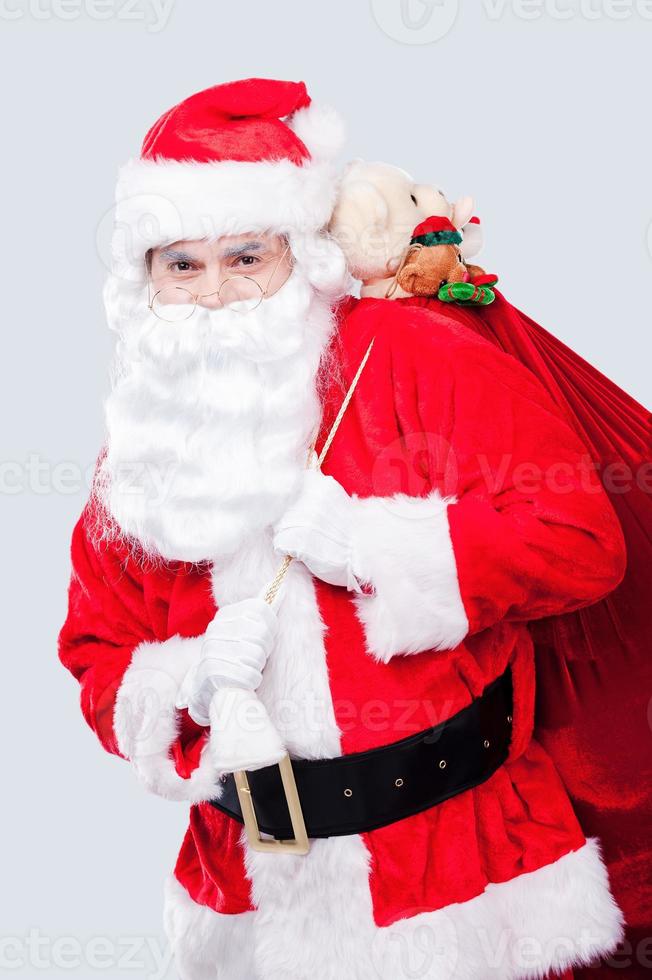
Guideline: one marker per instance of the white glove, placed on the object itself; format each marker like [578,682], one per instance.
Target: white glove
[318,530]
[237,644]
[242,734]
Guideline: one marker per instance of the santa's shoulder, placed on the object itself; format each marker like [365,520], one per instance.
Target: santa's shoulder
[415,337]
[412,331]
[405,327]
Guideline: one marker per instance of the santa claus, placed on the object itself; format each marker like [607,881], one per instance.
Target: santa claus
[302,583]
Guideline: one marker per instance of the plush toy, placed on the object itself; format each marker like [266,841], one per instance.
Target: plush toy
[375,216]
[594,670]
[433,265]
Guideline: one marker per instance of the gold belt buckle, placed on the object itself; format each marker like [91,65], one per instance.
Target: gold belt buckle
[300,844]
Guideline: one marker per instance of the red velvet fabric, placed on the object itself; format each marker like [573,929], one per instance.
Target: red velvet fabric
[594,667]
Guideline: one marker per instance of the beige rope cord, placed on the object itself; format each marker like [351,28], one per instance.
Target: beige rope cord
[276,582]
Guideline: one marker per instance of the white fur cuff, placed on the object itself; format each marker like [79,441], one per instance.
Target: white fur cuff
[146,721]
[402,546]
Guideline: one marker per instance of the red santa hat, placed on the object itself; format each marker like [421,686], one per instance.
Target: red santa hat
[249,155]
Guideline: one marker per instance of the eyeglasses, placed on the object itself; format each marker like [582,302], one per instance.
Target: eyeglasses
[239,293]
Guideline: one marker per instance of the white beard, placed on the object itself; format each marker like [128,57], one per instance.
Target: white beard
[210,420]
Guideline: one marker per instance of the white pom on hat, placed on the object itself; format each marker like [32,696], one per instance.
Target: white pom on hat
[321,130]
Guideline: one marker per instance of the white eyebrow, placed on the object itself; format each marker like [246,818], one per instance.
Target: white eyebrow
[178,256]
[253,246]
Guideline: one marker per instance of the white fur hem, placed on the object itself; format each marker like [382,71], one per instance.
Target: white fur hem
[206,945]
[402,545]
[314,919]
[561,915]
[146,721]
[163,201]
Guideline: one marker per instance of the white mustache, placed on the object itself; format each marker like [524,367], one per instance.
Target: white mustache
[268,333]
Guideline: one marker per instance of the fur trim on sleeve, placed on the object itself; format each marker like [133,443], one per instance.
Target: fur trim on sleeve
[146,721]
[402,546]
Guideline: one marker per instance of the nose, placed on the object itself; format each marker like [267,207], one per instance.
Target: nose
[210,300]
[206,287]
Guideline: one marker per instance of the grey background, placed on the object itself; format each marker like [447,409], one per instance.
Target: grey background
[544,119]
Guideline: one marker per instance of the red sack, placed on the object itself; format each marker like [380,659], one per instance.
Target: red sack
[594,666]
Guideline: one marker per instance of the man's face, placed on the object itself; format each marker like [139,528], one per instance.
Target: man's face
[207,269]
[211,414]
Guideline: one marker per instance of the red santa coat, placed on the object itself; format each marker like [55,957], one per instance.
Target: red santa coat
[476,513]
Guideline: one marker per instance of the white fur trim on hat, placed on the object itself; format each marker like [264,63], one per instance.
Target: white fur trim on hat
[161,201]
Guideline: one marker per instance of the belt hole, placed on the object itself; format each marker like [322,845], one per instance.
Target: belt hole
[509,719]
[442,763]
[348,792]
[486,743]
[398,782]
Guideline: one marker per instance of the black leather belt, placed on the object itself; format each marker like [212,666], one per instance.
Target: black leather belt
[362,791]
